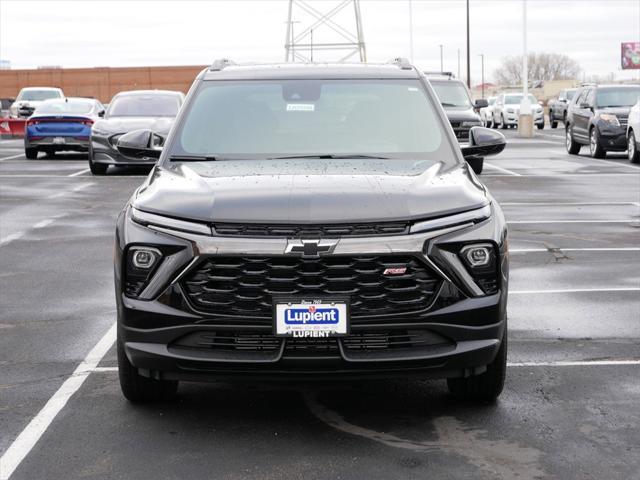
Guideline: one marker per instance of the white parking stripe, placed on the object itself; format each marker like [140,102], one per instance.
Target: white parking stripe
[575,290]
[584,363]
[27,439]
[500,169]
[79,173]
[11,158]
[628,220]
[589,249]
[563,204]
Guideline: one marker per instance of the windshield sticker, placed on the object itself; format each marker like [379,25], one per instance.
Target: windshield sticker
[300,107]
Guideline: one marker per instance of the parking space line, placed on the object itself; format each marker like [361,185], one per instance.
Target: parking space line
[563,204]
[575,290]
[560,174]
[587,249]
[79,173]
[11,158]
[500,169]
[585,363]
[611,162]
[28,438]
[571,221]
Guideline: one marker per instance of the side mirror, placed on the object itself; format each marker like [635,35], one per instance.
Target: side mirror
[585,105]
[101,113]
[483,142]
[140,144]
[481,103]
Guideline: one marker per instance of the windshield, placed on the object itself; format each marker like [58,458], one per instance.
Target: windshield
[144,106]
[62,107]
[452,94]
[617,97]
[39,95]
[516,99]
[570,94]
[287,118]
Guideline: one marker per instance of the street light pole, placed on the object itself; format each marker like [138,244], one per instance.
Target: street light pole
[525,120]
[458,63]
[468,50]
[482,85]
[411,30]
[441,59]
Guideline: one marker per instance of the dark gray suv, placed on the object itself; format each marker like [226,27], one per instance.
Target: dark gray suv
[311,222]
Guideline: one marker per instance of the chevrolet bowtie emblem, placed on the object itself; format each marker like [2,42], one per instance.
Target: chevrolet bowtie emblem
[310,248]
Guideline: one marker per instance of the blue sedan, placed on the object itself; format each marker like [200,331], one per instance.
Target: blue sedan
[61,124]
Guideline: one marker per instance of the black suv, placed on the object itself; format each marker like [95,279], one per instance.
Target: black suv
[461,111]
[597,116]
[311,221]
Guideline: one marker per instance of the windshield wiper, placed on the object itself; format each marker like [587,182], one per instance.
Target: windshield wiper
[194,158]
[329,156]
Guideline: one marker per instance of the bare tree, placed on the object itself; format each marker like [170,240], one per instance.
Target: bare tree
[542,66]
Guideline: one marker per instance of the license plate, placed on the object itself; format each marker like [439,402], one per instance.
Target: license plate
[312,318]
[58,140]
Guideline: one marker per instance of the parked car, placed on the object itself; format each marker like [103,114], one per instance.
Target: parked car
[150,109]
[558,106]
[29,98]
[633,133]
[454,97]
[311,221]
[506,110]
[61,124]
[486,113]
[597,116]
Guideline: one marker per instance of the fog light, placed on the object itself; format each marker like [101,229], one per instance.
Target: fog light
[145,258]
[477,256]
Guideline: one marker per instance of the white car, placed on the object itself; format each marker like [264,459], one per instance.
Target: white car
[486,113]
[633,134]
[506,110]
[29,98]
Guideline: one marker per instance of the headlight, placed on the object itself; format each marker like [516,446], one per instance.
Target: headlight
[470,217]
[610,118]
[480,260]
[471,123]
[142,262]
[152,220]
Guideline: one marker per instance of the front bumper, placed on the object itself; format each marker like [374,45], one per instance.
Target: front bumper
[613,138]
[513,118]
[460,331]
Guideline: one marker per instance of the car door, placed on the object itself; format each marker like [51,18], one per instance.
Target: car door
[581,115]
[559,104]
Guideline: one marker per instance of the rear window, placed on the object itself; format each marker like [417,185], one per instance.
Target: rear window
[144,106]
[39,95]
[617,97]
[272,118]
[63,107]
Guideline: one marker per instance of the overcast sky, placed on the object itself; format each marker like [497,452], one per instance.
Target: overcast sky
[84,33]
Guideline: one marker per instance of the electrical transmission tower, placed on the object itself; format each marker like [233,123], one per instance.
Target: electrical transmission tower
[332,27]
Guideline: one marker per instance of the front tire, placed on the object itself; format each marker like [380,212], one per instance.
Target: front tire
[139,389]
[31,153]
[634,153]
[487,386]
[540,125]
[96,168]
[572,146]
[595,147]
[554,124]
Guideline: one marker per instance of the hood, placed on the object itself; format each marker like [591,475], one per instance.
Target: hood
[310,191]
[160,125]
[623,111]
[461,115]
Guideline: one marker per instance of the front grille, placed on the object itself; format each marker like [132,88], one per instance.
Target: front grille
[310,231]
[246,286]
[623,119]
[241,342]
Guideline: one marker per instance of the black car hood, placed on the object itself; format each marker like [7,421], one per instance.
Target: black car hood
[160,125]
[309,191]
[461,115]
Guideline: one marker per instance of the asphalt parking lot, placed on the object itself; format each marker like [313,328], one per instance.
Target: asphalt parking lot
[569,409]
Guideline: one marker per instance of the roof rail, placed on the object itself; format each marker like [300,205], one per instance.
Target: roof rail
[220,64]
[445,74]
[401,62]
[588,84]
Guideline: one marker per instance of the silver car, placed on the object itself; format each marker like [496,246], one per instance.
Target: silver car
[29,98]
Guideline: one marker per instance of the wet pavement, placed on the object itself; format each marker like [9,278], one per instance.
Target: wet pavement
[569,409]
